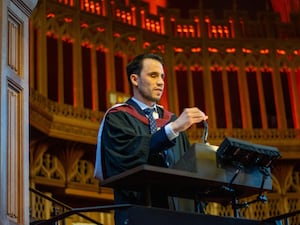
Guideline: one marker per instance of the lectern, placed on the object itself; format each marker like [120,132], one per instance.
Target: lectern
[199,175]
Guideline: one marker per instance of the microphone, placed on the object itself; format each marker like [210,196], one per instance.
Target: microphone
[205,132]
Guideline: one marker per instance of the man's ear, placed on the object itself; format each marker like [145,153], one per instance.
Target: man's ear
[134,79]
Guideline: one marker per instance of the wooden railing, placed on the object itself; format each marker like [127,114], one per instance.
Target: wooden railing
[64,208]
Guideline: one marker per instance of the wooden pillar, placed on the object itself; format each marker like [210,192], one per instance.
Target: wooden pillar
[244,94]
[14,101]
[263,112]
[226,98]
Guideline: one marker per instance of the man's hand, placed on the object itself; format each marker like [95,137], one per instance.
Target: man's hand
[187,118]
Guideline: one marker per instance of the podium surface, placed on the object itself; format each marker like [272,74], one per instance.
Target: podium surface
[176,183]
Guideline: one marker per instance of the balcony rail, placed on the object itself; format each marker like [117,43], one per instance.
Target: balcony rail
[42,105]
[63,207]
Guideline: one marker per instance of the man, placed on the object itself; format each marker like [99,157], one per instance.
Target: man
[127,137]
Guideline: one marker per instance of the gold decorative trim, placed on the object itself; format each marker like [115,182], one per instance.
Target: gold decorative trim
[64,121]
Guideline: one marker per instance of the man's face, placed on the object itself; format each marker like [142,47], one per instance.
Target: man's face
[149,86]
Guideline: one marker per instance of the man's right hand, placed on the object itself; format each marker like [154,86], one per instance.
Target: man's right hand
[187,118]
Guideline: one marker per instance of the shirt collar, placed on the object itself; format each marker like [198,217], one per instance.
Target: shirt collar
[143,105]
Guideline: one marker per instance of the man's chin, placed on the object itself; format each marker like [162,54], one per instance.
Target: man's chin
[157,99]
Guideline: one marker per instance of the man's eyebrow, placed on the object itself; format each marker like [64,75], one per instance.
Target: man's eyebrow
[156,73]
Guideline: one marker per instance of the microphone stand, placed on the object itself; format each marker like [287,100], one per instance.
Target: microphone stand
[199,205]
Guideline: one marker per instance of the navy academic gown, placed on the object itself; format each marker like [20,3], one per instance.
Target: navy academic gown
[126,143]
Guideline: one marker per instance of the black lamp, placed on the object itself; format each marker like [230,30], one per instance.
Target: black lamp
[235,152]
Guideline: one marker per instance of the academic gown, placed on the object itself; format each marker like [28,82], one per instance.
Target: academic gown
[126,143]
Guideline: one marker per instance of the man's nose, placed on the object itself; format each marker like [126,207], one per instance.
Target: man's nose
[160,81]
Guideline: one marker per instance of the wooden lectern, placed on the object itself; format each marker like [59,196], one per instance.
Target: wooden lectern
[196,176]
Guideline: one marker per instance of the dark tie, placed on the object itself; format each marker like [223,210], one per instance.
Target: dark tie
[152,123]
[167,155]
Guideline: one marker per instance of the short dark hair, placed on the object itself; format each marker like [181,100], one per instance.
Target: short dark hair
[135,66]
